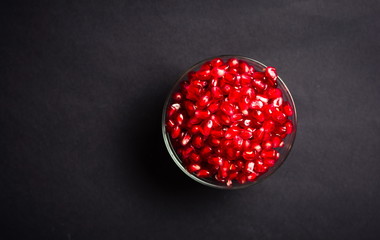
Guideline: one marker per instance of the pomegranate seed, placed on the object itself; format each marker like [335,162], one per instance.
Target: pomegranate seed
[277,102]
[233,63]
[215,161]
[213,107]
[274,93]
[249,155]
[258,115]
[214,141]
[244,105]
[268,153]
[204,74]
[245,134]
[189,107]
[231,133]
[245,80]
[203,173]
[234,95]
[256,104]
[249,166]
[177,97]
[216,93]
[268,125]
[267,145]
[251,176]
[244,68]
[206,127]
[195,158]
[241,178]
[269,162]
[204,100]
[218,72]
[236,117]
[185,139]
[289,127]
[170,123]
[216,62]
[270,72]
[260,167]
[227,108]
[193,168]
[173,108]
[198,141]
[276,141]
[226,88]
[258,75]
[287,109]
[176,131]
[205,151]
[202,114]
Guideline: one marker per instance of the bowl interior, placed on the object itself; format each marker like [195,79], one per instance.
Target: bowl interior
[284,151]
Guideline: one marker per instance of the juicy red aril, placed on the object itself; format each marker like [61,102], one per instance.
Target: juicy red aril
[227,121]
[202,114]
[203,173]
[193,168]
[287,109]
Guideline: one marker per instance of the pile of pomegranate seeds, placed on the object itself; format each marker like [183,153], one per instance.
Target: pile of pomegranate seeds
[227,120]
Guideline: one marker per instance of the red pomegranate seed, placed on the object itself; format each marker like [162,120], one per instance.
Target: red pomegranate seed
[218,72]
[231,132]
[249,166]
[204,74]
[244,68]
[249,155]
[244,105]
[233,63]
[193,168]
[215,161]
[173,108]
[198,141]
[185,139]
[267,145]
[289,127]
[268,153]
[256,104]
[270,72]
[206,151]
[277,102]
[216,93]
[260,167]
[269,162]
[195,158]
[227,108]
[241,178]
[252,176]
[216,62]
[269,125]
[204,100]
[214,141]
[176,131]
[202,114]
[203,173]
[206,127]
[245,134]
[274,93]
[287,109]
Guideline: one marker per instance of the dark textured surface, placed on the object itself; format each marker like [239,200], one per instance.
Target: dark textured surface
[81,91]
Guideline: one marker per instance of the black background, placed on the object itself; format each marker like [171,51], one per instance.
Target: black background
[82,86]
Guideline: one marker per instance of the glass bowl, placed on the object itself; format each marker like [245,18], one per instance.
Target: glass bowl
[284,151]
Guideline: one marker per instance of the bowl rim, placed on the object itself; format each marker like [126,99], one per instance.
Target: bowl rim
[177,159]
